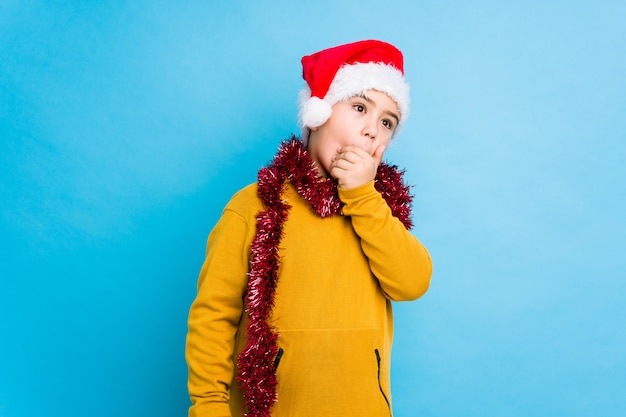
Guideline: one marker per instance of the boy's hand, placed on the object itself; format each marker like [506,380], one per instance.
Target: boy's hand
[352,166]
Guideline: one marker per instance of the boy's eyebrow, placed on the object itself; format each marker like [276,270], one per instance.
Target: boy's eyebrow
[387,112]
[392,114]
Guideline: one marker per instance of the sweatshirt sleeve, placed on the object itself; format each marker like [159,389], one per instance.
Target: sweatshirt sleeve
[215,315]
[399,261]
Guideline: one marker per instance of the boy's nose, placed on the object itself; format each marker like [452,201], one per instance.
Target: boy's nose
[370,129]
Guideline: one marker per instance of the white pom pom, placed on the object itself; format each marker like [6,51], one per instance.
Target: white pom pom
[315,112]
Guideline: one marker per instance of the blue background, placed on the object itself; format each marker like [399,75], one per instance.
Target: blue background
[126,126]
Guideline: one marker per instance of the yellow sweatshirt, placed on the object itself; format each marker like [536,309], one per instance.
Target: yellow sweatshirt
[332,306]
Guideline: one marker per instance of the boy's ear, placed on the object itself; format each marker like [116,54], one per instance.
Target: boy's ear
[313,129]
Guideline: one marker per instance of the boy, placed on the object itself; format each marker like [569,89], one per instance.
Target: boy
[293,315]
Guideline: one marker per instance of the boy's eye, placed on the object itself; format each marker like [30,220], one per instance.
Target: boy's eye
[359,107]
[387,123]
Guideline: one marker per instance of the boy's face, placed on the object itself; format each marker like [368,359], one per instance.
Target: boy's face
[366,121]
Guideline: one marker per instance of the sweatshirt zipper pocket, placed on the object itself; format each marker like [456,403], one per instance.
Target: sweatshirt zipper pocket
[279,356]
[377,353]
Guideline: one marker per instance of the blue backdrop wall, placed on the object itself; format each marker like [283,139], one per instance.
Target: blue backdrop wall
[126,126]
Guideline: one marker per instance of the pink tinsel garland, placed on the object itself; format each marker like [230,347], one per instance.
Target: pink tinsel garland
[257,375]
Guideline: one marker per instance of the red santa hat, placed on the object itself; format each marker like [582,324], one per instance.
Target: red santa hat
[344,71]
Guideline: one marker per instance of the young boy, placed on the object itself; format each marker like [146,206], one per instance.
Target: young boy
[293,316]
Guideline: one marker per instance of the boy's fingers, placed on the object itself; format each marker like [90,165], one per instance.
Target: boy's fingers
[357,151]
[378,154]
